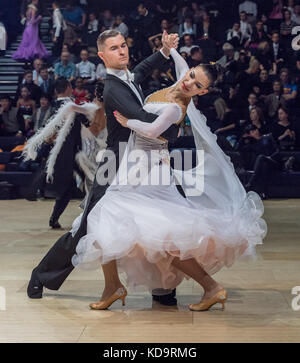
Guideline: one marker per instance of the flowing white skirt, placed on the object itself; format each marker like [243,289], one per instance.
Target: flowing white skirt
[145,227]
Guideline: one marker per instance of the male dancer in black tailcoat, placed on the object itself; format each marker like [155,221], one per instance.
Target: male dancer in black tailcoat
[123,93]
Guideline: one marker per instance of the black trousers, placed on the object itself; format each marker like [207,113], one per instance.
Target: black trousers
[56,266]
[62,201]
[264,169]
[57,47]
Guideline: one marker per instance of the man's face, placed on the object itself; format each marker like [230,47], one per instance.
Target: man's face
[198,56]
[284,77]
[44,102]
[141,10]
[118,20]
[287,15]
[259,25]
[236,27]
[84,55]
[5,104]
[164,24]
[114,53]
[276,86]
[65,57]
[275,38]
[44,74]
[195,82]
[252,100]
[188,40]
[243,17]
[28,78]
[38,64]
[263,75]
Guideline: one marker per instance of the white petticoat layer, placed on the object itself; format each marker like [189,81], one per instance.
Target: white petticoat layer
[145,231]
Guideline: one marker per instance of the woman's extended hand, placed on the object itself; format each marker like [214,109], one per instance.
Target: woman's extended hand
[121,119]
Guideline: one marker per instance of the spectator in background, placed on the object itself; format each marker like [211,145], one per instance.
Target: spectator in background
[227,125]
[90,36]
[246,29]
[65,68]
[26,107]
[250,8]
[75,19]
[47,85]
[274,100]
[147,26]
[286,27]
[79,93]
[263,56]
[183,12]
[257,119]
[229,55]
[243,61]
[165,25]
[262,150]
[43,113]
[277,50]
[154,82]
[85,69]
[296,15]
[265,21]
[234,35]
[206,27]
[93,24]
[197,12]
[289,90]
[187,27]
[188,40]
[259,35]
[155,42]
[59,26]
[27,81]
[252,102]
[263,86]
[101,72]
[37,66]
[196,57]
[11,121]
[284,131]
[106,18]
[246,80]
[119,25]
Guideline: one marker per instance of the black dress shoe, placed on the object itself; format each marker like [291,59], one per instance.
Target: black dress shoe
[168,300]
[54,224]
[35,287]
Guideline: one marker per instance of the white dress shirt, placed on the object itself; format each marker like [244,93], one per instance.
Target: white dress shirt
[58,22]
[249,7]
[101,71]
[127,77]
[86,70]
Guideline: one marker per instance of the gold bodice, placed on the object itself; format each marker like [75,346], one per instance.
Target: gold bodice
[161,97]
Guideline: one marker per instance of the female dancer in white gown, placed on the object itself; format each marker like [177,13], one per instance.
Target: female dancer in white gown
[154,234]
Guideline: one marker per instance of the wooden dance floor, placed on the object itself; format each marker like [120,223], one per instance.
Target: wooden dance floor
[259,307]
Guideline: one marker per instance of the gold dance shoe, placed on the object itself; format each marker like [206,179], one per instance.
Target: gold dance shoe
[121,293]
[220,297]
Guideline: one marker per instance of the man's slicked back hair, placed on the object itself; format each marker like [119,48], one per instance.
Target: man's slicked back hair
[105,35]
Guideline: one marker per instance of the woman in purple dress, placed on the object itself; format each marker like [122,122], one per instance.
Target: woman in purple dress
[31,46]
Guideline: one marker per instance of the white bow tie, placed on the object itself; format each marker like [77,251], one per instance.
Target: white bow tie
[127,76]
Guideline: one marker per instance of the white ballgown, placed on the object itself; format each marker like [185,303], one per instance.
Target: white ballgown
[144,227]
